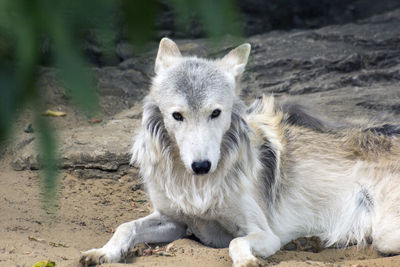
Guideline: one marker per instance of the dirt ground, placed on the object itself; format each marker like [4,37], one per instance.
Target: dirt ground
[89,209]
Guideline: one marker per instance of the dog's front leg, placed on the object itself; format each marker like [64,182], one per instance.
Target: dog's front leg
[243,250]
[153,228]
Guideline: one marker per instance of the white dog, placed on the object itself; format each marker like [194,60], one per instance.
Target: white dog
[252,178]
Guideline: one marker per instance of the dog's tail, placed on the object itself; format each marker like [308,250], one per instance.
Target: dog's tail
[291,113]
[296,114]
[266,121]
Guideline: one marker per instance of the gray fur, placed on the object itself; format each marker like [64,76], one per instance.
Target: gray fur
[364,200]
[153,122]
[256,106]
[210,232]
[269,169]
[235,136]
[297,114]
[195,80]
[386,129]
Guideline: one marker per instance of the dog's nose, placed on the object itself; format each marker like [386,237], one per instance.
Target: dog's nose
[201,167]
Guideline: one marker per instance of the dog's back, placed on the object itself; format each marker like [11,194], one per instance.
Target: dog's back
[331,181]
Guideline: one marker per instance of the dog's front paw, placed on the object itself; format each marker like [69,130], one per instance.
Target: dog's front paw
[247,262]
[96,256]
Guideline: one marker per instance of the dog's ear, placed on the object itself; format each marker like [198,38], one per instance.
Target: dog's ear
[235,61]
[167,52]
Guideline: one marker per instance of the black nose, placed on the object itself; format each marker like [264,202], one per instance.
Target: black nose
[201,167]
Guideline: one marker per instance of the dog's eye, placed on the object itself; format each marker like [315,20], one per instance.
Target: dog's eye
[215,113]
[177,116]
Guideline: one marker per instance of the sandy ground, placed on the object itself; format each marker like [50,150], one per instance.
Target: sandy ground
[88,211]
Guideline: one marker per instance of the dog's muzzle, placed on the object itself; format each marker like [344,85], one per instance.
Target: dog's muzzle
[201,167]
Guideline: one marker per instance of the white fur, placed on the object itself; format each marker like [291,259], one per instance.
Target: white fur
[317,188]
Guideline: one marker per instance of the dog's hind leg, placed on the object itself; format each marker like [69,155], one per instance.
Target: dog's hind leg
[153,228]
[386,213]
[243,250]
[386,234]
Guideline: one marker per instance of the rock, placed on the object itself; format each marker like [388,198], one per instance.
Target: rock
[341,69]
[120,88]
[311,244]
[254,17]
[124,50]
[26,160]
[260,16]
[302,241]
[136,187]
[290,246]
[89,150]
[348,70]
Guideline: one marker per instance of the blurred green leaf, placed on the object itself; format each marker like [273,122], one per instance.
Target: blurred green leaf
[93,20]
[74,72]
[26,52]
[7,102]
[140,19]
[218,17]
[49,159]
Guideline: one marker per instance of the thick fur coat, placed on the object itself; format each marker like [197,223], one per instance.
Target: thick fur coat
[253,178]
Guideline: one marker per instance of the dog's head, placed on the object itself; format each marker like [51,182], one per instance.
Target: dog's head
[195,98]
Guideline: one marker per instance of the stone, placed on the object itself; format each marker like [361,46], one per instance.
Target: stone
[90,150]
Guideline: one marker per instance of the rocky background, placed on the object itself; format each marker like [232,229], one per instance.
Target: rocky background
[349,72]
[260,16]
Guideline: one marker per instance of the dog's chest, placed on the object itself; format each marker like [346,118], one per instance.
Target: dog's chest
[174,199]
[186,205]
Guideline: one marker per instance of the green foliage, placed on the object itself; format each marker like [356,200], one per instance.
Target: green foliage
[48,147]
[218,17]
[26,24]
[139,18]
[44,264]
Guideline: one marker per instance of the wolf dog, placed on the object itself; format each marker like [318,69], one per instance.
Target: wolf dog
[253,178]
